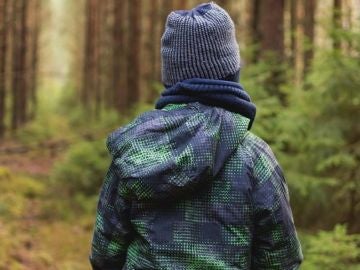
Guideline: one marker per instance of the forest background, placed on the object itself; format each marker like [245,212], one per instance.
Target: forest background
[73,71]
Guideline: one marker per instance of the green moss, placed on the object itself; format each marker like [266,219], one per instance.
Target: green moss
[16,190]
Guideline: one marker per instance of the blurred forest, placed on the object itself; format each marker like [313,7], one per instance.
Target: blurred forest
[73,71]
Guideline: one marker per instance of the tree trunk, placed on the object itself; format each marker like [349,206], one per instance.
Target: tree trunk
[225,4]
[337,22]
[3,53]
[169,5]
[253,9]
[348,20]
[107,54]
[166,8]
[134,45]
[271,27]
[34,56]
[16,65]
[180,5]
[97,72]
[91,58]
[87,55]
[120,91]
[293,29]
[309,26]
[268,25]
[23,91]
[154,38]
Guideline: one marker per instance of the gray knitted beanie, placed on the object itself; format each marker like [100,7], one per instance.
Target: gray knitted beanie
[199,43]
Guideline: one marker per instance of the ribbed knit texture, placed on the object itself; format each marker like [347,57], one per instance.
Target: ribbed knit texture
[199,43]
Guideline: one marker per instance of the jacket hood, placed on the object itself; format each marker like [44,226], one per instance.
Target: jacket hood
[170,153]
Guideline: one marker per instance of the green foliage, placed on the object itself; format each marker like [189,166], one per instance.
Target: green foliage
[319,139]
[15,191]
[331,250]
[82,169]
[44,127]
[254,78]
[313,129]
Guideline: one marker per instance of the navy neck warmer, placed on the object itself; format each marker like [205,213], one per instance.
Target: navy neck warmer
[219,93]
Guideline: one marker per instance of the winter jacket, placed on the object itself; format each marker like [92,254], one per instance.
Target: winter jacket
[189,187]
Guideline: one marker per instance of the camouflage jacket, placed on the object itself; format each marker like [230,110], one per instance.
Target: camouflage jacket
[189,187]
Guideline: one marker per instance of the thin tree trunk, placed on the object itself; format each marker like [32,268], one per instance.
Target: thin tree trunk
[87,55]
[169,5]
[180,4]
[120,92]
[253,32]
[166,8]
[16,65]
[23,91]
[337,22]
[107,55]
[348,17]
[224,3]
[3,53]
[154,37]
[309,26]
[351,216]
[98,5]
[35,56]
[134,45]
[293,29]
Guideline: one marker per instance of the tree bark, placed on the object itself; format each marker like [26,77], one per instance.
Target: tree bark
[268,28]
[23,85]
[3,53]
[97,72]
[120,91]
[107,54]
[134,45]
[253,9]
[154,39]
[293,29]
[225,4]
[271,27]
[180,4]
[348,20]
[309,33]
[337,22]
[16,65]
[35,56]
[87,55]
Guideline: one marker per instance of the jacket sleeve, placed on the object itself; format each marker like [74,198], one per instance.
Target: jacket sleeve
[112,231]
[276,245]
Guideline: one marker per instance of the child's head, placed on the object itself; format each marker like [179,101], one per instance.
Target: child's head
[199,43]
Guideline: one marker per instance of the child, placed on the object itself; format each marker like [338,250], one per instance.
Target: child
[189,186]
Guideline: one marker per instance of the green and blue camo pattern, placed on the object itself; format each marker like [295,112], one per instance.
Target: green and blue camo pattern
[189,187]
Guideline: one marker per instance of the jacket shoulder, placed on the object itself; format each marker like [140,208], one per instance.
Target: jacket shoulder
[153,120]
[255,145]
[115,138]
[263,161]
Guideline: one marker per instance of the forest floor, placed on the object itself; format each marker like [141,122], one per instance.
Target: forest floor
[35,158]
[38,230]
